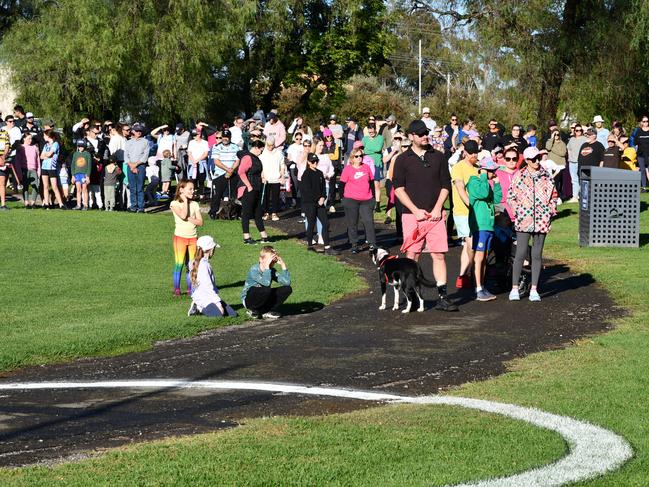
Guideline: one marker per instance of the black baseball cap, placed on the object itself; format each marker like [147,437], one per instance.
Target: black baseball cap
[312,158]
[418,127]
[226,133]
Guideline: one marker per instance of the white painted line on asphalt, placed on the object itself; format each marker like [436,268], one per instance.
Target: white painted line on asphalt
[593,451]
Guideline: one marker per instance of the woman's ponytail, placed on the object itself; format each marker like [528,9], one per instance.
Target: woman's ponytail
[194,272]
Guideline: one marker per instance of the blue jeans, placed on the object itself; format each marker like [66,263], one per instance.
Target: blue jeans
[136,187]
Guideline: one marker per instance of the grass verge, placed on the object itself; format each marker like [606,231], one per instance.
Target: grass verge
[94,283]
[387,446]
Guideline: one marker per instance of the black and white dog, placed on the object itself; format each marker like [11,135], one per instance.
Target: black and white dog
[402,274]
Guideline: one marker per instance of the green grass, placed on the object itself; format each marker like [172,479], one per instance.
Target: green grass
[388,446]
[601,379]
[76,284]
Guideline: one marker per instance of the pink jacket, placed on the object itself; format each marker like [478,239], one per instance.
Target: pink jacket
[533,200]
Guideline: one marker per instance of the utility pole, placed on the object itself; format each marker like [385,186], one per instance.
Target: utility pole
[419,76]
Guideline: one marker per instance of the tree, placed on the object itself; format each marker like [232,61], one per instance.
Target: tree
[152,59]
[546,37]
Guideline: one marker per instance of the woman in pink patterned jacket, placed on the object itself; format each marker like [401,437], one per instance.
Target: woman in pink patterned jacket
[533,200]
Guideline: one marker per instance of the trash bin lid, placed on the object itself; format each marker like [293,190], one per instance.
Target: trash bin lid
[594,173]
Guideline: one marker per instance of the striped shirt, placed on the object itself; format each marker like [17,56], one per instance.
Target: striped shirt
[227,155]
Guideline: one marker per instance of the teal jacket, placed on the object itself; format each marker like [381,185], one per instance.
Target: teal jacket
[482,200]
[258,278]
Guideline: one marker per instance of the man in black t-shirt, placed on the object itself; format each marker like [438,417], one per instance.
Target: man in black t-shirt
[493,138]
[422,184]
[591,153]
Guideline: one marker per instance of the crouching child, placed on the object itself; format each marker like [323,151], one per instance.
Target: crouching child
[258,296]
[205,295]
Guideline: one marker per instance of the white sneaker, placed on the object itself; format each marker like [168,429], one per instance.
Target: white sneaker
[514,296]
[320,240]
[559,201]
[534,296]
[332,209]
[193,309]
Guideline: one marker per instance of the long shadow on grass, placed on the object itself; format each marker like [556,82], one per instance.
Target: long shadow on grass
[97,411]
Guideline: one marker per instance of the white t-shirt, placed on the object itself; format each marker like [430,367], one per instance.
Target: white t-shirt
[294,152]
[272,161]
[430,123]
[237,136]
[166,142]
[197,149]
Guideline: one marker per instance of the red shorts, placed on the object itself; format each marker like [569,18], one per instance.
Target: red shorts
[416,233]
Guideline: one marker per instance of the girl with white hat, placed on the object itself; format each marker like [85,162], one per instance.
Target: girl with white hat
[205,294]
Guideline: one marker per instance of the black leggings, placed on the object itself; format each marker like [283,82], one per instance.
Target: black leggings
[522,243]
[251,208]
[311,212]
[261,299]
[272,197]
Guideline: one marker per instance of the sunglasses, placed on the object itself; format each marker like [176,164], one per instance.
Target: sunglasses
[511,159]
[218,138]
[454,120]
[356,156]
[10,121]
[645,121]
[579,130]
[421,135]
[535,159]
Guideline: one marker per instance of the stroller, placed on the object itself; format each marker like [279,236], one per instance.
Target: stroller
[500,260]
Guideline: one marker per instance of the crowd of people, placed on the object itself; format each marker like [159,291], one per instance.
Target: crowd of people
[447,183]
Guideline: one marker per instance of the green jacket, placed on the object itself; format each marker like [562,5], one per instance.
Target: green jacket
[482,200]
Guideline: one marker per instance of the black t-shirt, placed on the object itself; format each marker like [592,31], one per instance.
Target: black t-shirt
[612,157]
[491,140]
[422,178]
[591,154]
[519,141]
[642,141]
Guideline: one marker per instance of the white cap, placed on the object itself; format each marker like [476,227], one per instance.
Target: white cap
[425,110]
[29,115]
[598,118]
[206,243]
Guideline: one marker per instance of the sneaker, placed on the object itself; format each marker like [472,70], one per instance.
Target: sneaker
[177,293]
[332,209]
[265,217]
[78,208]
[253,314]
[249,241]
[314,241]
[484,295]
[355,249]
[271,315]
[274,217]
[4,208]
[331,251]
[559,201]
[514,296]
[212,216]
[387,221]
[265,240]
[377,208]
[320,240]
[302,220]
[534,295]
[193,309]
[444,304]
